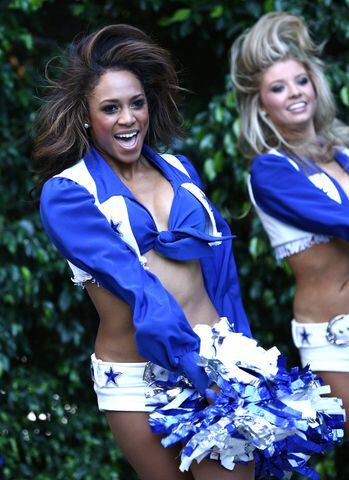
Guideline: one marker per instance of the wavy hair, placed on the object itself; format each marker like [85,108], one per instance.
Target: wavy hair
[61,137]
[280,36]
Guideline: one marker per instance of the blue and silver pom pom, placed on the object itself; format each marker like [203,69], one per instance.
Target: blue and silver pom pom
[263,411]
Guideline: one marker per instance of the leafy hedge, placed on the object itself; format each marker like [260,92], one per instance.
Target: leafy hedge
[49,424]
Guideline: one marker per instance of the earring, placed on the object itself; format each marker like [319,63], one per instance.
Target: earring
[263,113]
[86,126]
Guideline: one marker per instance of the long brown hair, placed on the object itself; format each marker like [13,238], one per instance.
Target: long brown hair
[61,137]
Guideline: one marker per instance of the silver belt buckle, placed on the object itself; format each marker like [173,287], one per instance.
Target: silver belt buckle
[337,332]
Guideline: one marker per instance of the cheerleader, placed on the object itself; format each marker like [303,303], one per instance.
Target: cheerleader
[299,182]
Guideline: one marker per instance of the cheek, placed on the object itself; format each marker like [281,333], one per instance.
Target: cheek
[144,119]
[313,96]
[271,103]
[101,126]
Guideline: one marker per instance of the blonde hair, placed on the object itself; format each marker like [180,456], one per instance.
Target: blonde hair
[279,36]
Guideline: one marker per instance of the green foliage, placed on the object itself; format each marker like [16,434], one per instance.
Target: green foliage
[49,424]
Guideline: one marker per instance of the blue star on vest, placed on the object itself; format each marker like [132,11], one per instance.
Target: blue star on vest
[111,376]
[305,336]
[116,227]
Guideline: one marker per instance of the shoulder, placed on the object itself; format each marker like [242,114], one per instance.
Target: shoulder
[190,169]
[272,163]
[75,177]
[342,153]
[176,162]
[62,194]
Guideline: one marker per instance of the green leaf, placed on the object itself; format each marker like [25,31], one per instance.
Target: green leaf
[209,169]
[26,5]
[27,39]
[269,6]
[217,11]
[179,16]
[26,274]
[236,127]
[219,114]
[344,95]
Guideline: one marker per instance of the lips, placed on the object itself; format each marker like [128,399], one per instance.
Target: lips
[297,107]
[127,139]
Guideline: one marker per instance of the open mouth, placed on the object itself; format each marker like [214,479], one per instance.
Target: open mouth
[297,106]
[127,139]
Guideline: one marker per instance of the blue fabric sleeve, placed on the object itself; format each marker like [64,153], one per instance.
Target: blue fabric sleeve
[83,235]
[288,195]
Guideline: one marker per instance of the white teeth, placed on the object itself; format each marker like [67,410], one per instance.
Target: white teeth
[297,105]
[126,135]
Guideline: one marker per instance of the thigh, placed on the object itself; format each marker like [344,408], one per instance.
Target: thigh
[143,449]
[213,470]
[339,383]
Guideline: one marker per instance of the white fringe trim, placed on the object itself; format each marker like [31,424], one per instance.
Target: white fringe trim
[296,246]
[80,282]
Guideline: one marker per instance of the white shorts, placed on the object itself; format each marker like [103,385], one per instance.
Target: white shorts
[323,346]
[120,386]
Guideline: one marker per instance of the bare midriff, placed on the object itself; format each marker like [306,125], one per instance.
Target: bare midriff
[115,340]
[322,281]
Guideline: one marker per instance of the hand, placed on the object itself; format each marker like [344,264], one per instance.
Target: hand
[212,393]
[194,372]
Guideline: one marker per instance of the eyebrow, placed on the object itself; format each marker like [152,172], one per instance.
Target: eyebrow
[116,100]
[280,80]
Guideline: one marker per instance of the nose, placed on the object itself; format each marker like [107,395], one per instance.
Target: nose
[294,90]
[126,117]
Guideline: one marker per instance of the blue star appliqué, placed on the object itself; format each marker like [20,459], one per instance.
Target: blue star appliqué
[116,227]
[305,336]
[111,376]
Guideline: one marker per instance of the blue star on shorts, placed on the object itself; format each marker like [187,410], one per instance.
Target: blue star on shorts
[111,376]
[305,336]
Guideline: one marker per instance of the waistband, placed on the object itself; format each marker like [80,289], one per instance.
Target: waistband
[121,374]
[335,332]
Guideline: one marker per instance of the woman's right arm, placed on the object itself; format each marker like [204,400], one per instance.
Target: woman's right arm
[83,235]
[285,193]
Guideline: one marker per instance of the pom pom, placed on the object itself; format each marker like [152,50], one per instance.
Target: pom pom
[263,412]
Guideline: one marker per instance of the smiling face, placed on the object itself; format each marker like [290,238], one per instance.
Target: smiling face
[119,117]
[288,97]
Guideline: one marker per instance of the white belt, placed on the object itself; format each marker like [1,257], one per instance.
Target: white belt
[335,332]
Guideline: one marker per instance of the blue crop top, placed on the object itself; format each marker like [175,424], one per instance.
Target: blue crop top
[299,204]
[186,237]
[85,237]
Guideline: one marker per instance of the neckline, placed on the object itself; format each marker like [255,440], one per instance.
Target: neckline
[340,161]
[109,183]
[337,157]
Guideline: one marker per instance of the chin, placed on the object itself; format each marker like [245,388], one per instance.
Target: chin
[128,157]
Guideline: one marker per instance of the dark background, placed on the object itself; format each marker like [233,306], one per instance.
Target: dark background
[49,424]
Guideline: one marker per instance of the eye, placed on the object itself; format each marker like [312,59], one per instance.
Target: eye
[138,104]
[277,88]
[303,80]
[110,108]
